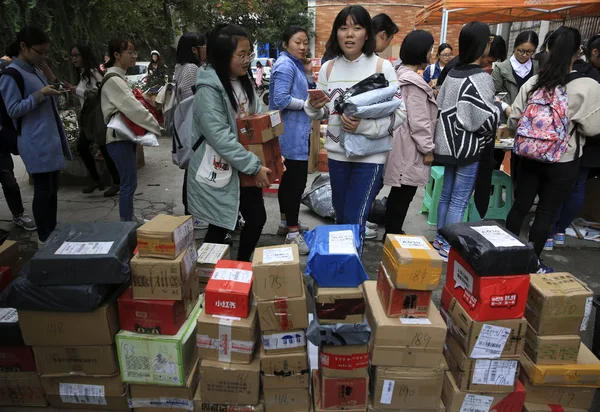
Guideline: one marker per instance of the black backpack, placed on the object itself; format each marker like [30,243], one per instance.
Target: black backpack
[91,120]
[8,132]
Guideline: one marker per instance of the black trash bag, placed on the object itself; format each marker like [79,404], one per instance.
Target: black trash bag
[319,198]
[377,214]
[373,82]
[490,249]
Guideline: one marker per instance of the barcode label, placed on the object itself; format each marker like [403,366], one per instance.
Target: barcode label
[476,403]
[586,314]
[280,254]
[236,275]
[388,392]
[211,253]
[8,315]
[84,394]
[495,372]
[84,248]
[490,342]
[341,242]
[412,242]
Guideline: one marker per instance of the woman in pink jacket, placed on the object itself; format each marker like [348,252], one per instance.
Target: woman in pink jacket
[410,160]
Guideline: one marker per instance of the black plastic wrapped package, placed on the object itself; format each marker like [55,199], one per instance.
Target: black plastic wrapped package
[373,82]
[338,334]
[93,253]
[491,249]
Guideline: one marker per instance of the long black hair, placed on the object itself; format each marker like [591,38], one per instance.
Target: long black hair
[222,43]
[563,45]
[118,45]
[88,63]
[472,42]
[31,36]
[184,47]
[361,16]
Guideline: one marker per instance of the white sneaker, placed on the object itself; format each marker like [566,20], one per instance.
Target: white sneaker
[372,226]
[23,220]
[200,224]
[370,233]
[299,241]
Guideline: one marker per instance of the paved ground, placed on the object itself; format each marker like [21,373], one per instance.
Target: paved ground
[159,191]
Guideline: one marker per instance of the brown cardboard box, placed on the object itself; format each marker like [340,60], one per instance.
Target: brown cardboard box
[70,328]
[315,140]
[201,406]
[481,375]
[280,371]
[277,273]
[283,314]
[323,165]
[551,350]
[154,398]
[402,303]
[21,389]
[543,407]
[468,333]
[403,342]
[270,157]
[163,279]
[230,382]
[439,408]
[260,127]
[557,303]
[407,388]
[557,395]
[289,341]
[455,400]
[165,237]
[86,360]
[350,361]
[288,400]
[208,256]
[339,305]
[227,339]
[584,373]
[318,399]
[89,392]
[342,393]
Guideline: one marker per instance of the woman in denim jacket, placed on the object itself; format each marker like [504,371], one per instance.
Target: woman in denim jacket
[291,78]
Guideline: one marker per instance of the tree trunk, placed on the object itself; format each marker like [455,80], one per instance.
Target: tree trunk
[65,29]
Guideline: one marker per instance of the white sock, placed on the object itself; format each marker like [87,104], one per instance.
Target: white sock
[292,235]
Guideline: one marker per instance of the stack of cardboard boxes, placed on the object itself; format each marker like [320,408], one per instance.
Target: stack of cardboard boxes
[156,346]
[558,371]
[407,331]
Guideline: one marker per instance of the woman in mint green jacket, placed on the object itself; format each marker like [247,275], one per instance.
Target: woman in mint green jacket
[224,93]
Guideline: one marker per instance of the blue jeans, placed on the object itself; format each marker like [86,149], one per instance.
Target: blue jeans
[123,154]
[459,182]
[570,207]
[354,187]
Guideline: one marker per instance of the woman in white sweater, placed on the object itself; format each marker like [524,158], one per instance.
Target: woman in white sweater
[354,181]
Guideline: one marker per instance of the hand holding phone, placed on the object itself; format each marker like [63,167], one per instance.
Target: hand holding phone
[501,96]
[317,98]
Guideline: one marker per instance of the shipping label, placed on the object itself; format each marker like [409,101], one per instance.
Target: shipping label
[476,403]
[586,314]
[189,261]
[411,321]
[284,340]
[387,392]
[280,254]
[235,275]
[167,403]
[495,372]
[275,118]
[412,242]
[85,394]
[341,242]
[490,342]
[183,236]
[211,253]
[84,248]
[462,278]
[497,236]
[9,315]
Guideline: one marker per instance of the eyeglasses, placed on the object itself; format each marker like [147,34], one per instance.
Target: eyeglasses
[43,54]
[525,52]
[75,55]
[246,58]
[446,55]
[132,53]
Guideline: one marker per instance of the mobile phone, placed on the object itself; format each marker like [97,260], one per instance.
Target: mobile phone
[62,87]
[501,96]
[317,93]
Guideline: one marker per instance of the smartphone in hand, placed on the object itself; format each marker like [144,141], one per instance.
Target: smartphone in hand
[501,96]
[317,94]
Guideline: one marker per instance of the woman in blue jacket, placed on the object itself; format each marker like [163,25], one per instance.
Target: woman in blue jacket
[291,78]
[42,141]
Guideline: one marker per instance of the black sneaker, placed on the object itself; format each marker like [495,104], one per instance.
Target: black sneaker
[113,190]
[92,186]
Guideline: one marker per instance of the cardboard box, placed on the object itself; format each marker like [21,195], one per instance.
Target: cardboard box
[86,392]
[339,305]
[288,400]
[486,297]
[284,371]
[412,262]
[439,408]
[159,359]
[314,146]
[284,342]
[323,165]
[202,406]
[318,400]
[402,303]
[151,398]
[16,359]
[283,314]
[486,340]
[208,256]
[228,290]
[342,393]
[403,342]
[277,273]
[163,317]
[260,127]
[77,360]
[480,375]
[407,388]
[21,389]
[230,382]
[165,237]
[584,373]
[9,256]
[351,361]
[551,350]
[270,157]
[558,304]
[558,395]
[70,328]
[537,407]
[456,400]
[227,339]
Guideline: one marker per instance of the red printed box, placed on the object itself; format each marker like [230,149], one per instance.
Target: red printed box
[270,157]
[229,289]
[350,361]
[486,297]
[342,393]
[402,303]
[16,359]
[260,128]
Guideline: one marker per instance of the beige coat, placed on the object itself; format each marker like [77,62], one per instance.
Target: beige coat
[414,138]
[504,79]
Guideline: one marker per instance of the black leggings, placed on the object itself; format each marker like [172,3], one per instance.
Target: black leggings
[291,188]
[252,208]
[84,150]
[553,183]
[396,208]
[45,202]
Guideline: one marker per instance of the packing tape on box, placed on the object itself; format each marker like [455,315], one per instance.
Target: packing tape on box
[167,403]
[341,309]
[284,340]
[421,254]
[344,362]
[281,313]
[224,344]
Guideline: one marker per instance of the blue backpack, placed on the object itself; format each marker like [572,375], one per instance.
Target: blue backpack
[8,132]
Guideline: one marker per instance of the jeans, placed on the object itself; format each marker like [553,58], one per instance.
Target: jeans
[291,188]
[84,150]
[123,154]
[10,187]
[45,202]
[552,183]
[252,208]
[570,208]
[396,208]
[459,182]
[354,187]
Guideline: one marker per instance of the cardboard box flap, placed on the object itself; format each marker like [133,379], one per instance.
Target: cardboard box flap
[156,392]
[283,364]
[560,284]
[395,372]
[331,295]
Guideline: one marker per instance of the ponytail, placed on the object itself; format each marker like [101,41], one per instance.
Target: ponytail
[31,36]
